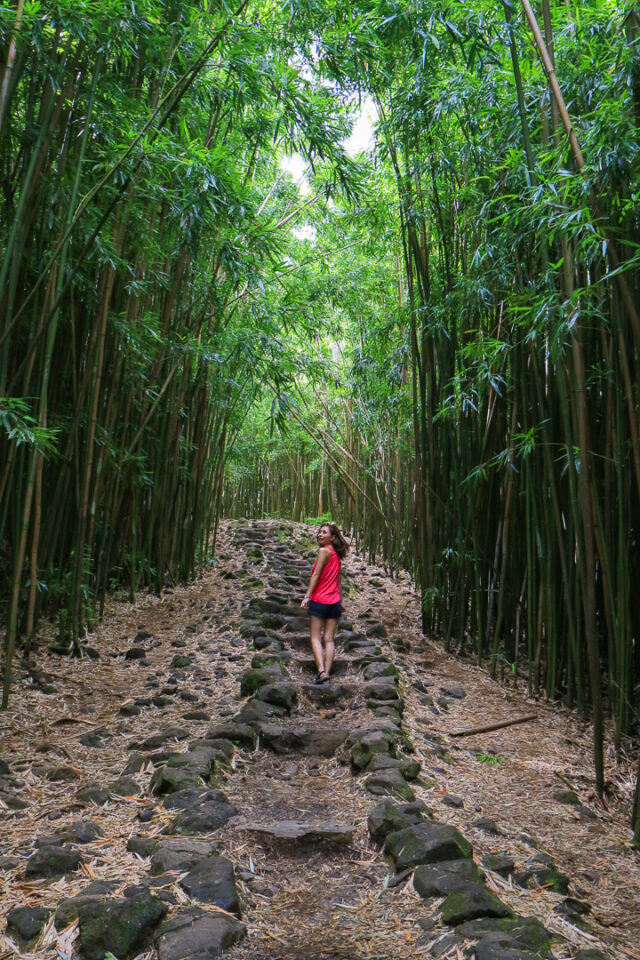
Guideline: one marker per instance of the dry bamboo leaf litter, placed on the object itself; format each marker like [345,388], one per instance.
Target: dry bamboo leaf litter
[517,792]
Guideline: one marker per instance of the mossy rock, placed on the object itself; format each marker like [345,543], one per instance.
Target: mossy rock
[389,782]
[179,662]
[239,733]
[261,660]
[377,630]
[441,879]
[400,644]
[426,843]
[249,629]
[374,670]
[407,766]
[567,797]
[253,679]
[272,621]
[527,933]
[369,743]
[252,583]
[260,605]
[279,694]
[543,877]
[120,927]
[25,924]
[389,817]
[471,902]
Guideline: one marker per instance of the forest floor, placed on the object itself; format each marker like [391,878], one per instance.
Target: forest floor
[327,891]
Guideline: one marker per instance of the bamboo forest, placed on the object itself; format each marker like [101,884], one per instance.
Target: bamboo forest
[269,266]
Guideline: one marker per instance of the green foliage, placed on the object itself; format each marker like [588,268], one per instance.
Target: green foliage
[490,759]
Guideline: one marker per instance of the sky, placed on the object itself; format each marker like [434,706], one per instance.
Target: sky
[361,139]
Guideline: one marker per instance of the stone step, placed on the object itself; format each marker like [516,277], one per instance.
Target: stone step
[325,831]
[310,739]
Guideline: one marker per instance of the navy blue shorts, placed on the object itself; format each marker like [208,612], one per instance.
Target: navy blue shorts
[327,611]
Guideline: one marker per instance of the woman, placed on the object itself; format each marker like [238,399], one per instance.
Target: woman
[323,598]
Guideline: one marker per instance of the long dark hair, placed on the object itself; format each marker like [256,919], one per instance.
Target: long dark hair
[338,541]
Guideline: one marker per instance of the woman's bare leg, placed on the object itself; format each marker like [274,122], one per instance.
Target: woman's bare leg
[330,627]
[316,642]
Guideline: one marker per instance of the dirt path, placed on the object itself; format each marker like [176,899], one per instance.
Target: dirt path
[324,889]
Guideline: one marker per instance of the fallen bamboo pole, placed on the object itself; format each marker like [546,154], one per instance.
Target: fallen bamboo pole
[487,727]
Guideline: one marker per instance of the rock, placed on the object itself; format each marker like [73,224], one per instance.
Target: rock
[67,909]
[268,643]
[365,744]
[239,733]
[142,846]
[53,861]
[129,710]
[180,661]
[332,692]
[387,712]
[441,879]
[187,697]
[272,621]
[256,711]
[120,927]
[125,787]
[206,813]
[135,653]
[282,694]
[567,797]
[450,801]
[374,670]
[180,854]
[408,767]
[93,793]
[444,945]
[383,688]
[365,649]
[543,877]
[519,933]
[308,739]
[217,749]
[82,831]
[590,955]
[197,935]
[135,764]
[173,779]
[486,824]
[389,783]
[426,842]
[212,881]
[387,817]
[260,660]
[296,624]
[305,832]
[377,630]
[162,737]
[25,924]
[96,738]
[62,774]
[470,902]
[573,908]
[498,863]
[487,949]
[196,715]
[400,644]
[458,693]
[253,679]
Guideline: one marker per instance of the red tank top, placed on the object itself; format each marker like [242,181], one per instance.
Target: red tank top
[327,590]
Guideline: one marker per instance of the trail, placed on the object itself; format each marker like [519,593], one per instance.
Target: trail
[191,792]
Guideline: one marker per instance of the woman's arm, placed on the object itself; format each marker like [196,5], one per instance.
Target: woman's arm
[323,555]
